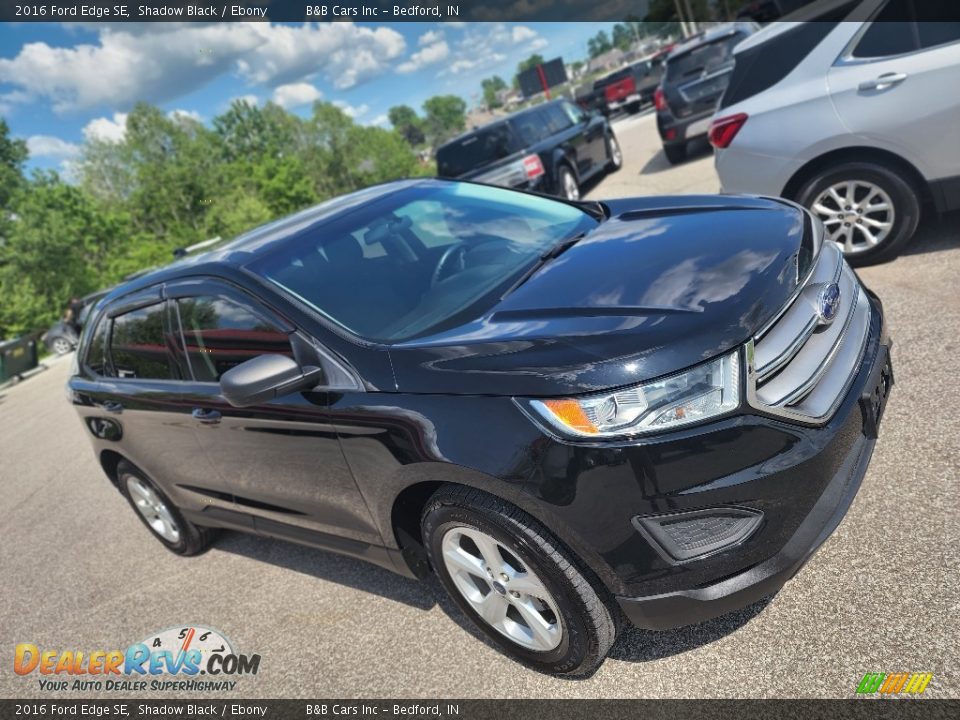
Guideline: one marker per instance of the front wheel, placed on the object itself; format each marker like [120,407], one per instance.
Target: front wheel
[60,345]
[514,580]
[868,210]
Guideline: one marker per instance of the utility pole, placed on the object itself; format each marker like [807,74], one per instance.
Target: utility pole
[683,23]
[691,19]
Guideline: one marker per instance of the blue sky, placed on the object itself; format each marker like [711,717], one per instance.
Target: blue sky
[60,84]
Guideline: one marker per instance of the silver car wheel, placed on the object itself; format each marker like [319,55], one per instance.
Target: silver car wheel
[153,509]
[615,155]
[61,346]
[508,596]
[571,190]
[856,215]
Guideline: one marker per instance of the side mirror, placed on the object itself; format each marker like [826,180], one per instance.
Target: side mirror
[264,378]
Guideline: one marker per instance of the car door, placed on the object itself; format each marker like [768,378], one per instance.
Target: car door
[590,130]
[281,460]
[134,403]
[898,86]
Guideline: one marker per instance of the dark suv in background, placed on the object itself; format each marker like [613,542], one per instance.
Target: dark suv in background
[695,76]
[552,148]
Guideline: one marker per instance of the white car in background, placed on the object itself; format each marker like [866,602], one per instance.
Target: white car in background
[857,120]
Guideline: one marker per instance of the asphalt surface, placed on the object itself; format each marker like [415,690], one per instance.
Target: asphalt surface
[80,571]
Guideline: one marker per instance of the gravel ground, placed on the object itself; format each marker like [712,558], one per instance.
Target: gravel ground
[80,572]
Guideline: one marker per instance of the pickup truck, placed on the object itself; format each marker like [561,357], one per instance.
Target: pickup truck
[631,87]
[551,148]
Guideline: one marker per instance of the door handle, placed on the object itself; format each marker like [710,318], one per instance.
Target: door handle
[884,81]
[113,407]
[207,417]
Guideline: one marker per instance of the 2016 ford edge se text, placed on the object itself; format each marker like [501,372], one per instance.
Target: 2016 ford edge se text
[575,414]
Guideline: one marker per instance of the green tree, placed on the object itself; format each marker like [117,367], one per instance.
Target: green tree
[405,121]
[57,247]
[599,44]
[491,86]
[445,116]
[13,154]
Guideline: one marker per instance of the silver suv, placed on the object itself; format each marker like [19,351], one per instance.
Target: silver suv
[858,121]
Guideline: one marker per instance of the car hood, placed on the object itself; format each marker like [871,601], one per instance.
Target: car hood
[661,285]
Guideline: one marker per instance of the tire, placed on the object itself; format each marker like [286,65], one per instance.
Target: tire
[867,178]
[59,345]
[584,615]
[190,539]
[675,153]
[614,154]
[567,184]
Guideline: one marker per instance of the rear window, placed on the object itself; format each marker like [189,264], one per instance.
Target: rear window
[764,65]
[703,59]
[482,147]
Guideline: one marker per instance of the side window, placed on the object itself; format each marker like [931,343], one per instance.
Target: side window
[892,32]
[97,349]
[574,113]
[220,334]
[138,348]
[886,36]
[557,119]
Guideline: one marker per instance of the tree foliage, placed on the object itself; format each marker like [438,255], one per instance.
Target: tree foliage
[491,86]
[173,181]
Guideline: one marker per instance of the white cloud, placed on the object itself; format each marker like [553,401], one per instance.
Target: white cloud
[430,37]
[429,55]
[345,53]
[51,147]
[538,44]
[296,94]
[185,114]
[380,120]
[161,63]
[519,33]
[106,129]
[351,111]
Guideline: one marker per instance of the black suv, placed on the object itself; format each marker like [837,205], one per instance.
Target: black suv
[551,148]
[571,412]
[696,74]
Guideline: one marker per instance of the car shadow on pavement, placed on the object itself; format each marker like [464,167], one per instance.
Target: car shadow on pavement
[638,645]
[328,566]
[935,234]
[658,163]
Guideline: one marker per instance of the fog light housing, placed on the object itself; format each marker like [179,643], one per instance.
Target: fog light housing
[685,536]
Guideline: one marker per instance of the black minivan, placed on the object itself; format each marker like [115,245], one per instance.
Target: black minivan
[551,148]
[573,413]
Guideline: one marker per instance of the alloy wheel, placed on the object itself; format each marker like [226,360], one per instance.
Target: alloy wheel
[857,215]
[504,592]
[615,155]
[61,346]
[153,509]
[571,190]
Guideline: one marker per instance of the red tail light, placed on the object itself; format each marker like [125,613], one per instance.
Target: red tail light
[532,166]
[659,100]
[723,130]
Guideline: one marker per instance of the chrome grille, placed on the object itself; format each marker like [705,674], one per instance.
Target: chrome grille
[800,366]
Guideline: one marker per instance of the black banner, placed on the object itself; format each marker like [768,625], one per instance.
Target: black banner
[393,11]
[505,709]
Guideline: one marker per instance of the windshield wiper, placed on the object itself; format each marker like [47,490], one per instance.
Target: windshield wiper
[545,257]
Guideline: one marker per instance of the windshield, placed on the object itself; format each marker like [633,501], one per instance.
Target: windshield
[480,148]
[422,259]
[702,60]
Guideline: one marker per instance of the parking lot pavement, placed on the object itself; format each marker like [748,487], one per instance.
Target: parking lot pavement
[80,572]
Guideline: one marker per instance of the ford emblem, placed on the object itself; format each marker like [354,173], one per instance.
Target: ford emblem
[828,303]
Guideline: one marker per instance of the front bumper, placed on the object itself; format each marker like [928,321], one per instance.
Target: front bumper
[708,600]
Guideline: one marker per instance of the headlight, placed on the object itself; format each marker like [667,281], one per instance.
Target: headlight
[691,396]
